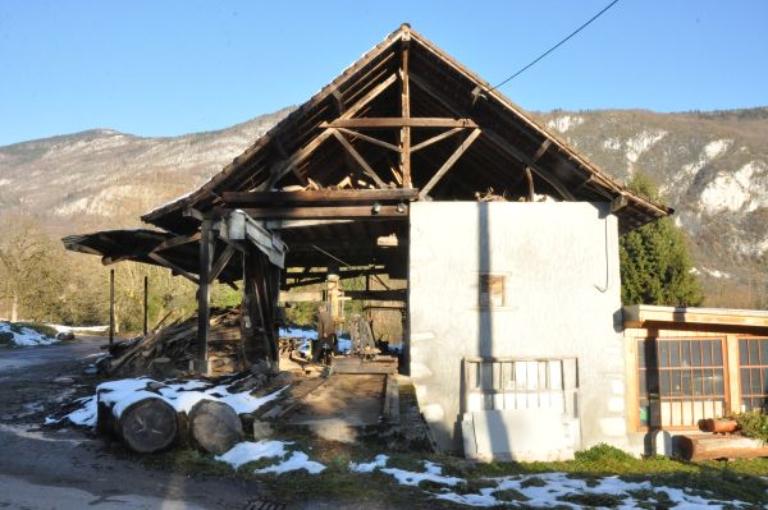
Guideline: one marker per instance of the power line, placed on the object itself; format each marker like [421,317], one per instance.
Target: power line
[553,48]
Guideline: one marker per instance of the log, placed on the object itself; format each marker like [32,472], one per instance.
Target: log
[214,426]
[711,447]
[147,426]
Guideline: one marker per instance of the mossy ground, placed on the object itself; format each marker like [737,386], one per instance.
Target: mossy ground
[742,480]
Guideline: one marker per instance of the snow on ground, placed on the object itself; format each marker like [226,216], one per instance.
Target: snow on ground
[61,328]
[545,490]
[432,473]
[297,461]
[182,396]
[379,461]
[248,451]
[22,336]
[343,344]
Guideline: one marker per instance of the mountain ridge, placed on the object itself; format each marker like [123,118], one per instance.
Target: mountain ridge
[711,166]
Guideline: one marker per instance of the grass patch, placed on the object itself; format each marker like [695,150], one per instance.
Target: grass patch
[510,495]
[593,500]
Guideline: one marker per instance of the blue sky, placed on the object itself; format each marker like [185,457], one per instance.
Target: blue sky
[169,67]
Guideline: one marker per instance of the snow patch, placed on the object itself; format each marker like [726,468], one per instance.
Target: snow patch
[379,461]
[248,451]
[564,123]
[181,396]
[553,486]
[296,462]
[22,336]
[612,144]
[642,142]
[741,189]
[716,273]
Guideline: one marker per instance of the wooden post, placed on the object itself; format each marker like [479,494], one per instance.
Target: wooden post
[111,307]
[204,294]
[146,304]
[405,131]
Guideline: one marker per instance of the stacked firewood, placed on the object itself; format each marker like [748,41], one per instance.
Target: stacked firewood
[170,351]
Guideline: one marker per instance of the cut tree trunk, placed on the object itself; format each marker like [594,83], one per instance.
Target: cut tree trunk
[146,426]
[214,426]
[710,447]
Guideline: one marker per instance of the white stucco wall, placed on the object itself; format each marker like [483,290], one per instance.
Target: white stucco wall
[562,299]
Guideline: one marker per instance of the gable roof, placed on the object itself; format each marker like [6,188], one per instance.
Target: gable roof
[298,148]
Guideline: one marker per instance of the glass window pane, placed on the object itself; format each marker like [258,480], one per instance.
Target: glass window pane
[706,354]
[763,351]
[707,381]
[754,357]
[663,354]
[643,388]
[685,388]
[664,383]
[755,387]
[743,352]
[685,354]
[717,352]
[745,381]
[719,382]
[696,354]
[764,373]
[674,354]
[641,353]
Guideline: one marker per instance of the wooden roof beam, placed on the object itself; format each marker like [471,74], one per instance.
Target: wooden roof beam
[359,159]
[300,155]
[399,211]
[449,163]
[316,197]
[399,122]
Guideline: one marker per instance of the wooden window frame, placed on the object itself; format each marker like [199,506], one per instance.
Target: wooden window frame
[640,391]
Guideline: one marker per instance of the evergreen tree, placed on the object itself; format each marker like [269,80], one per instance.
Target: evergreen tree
[655,264]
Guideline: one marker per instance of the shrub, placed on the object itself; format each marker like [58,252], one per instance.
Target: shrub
[753,424]
[603,452]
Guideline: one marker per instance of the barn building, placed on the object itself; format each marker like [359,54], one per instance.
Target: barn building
[506,239]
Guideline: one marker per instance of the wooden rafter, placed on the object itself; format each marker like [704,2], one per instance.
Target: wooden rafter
[316,197]
[452,159]
[173,267]
[340,212]
[370,139]
[359,159]
[405,111]
[497,140]
[221,262]
[177,241]
[300,155]
[435,139]
[399,122]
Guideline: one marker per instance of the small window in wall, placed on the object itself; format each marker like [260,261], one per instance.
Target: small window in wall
[491,290]
[753,360]
[521,384]
[689,377]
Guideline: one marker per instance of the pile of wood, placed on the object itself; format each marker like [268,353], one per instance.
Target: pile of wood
[722,441]
[170,351]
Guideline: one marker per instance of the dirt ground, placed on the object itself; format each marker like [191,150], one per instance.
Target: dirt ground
[62,469]
[68,468]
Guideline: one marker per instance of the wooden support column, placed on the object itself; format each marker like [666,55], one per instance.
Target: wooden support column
[733,369]
[146,301]
[111,306]
[405,101]
[204,294]
[261,341]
